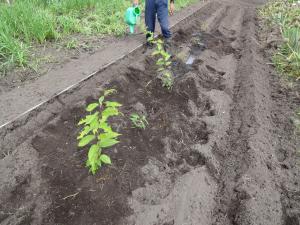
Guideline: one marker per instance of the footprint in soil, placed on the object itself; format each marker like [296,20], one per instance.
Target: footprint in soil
[214,71]
[201,135]
[169,223]
[186,160]
[210,78]
[194,158]
[291,220]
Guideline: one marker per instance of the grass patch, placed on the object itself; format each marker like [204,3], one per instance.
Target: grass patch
[286,15]
[179,4]
[25,23]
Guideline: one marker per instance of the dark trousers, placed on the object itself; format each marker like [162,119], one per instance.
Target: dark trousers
[159,7]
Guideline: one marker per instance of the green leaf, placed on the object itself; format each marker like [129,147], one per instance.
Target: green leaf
[108,142]
[108,135]
[94,126]
[159,47]
[104,126]
[105,159]
[110,111]
[145,120]
[134,116]
[94,161]
[138,121]
[160,41]
[155,53]
[85,131]
[167,74]
[101,99]
[82,121]
[112,104]
[167,57]
[159,63]
[90,118]
[87,139]
[109,92]
[92,106]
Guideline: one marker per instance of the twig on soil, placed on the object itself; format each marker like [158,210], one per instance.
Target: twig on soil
[148,83]
[182,135]
[101,186]
[5,154]
[71,196]
[123,168]
[110,203]
[55,208]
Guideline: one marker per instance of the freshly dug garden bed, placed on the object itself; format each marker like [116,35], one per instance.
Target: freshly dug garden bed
[216,150]
[175,125]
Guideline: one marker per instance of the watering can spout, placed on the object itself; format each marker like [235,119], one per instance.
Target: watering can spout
[131,17]
[131,28]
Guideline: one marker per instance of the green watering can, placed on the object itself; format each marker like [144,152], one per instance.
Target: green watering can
[131,17]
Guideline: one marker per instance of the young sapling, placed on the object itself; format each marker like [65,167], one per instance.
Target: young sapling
[97,132]
[163,62]
[164,59]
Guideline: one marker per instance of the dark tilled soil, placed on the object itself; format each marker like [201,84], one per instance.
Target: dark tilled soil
[219,149]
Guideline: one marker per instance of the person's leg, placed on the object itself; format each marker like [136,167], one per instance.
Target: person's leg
[163,17]
[150,16]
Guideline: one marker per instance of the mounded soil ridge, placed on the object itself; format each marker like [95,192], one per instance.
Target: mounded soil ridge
[219,148]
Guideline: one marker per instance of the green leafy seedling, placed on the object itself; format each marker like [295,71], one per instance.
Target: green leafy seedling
[97,132]
[163,62]
[138,121]
[163,59]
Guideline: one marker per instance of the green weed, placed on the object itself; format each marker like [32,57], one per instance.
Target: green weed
[138,121]
[285,14]
[11,50]
[72,44]
[97,132]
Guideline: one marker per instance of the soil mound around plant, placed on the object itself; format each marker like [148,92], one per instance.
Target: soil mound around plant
[219,148]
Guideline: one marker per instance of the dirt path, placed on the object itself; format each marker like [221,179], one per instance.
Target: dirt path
[219,149]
